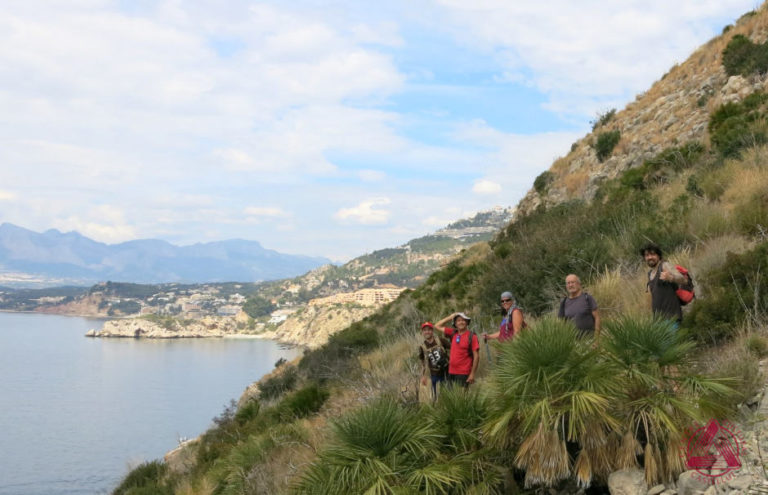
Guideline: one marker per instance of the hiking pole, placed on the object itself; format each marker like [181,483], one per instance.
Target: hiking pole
[487,349]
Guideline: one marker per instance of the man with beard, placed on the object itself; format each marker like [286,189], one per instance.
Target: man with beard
[663,281]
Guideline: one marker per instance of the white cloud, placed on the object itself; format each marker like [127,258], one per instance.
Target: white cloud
[105,223]
[589,54]
[371,175]
[265,212]
[435,221]
[7,195]
[366,212]
[486,187]
[149,112]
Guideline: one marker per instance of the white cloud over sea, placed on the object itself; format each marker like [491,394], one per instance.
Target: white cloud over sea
[314,128]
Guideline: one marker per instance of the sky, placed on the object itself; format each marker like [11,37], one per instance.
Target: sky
[327,128]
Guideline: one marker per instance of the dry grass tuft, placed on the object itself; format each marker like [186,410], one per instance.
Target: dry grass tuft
[576,182]
[708,219]
[736,361]
[392,369]
[712,254]
[560,166]
[746,181]
[621,291]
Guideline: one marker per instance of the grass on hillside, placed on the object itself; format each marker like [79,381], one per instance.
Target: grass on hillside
[708,209]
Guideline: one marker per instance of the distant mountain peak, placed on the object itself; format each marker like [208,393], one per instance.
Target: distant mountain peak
[56,258]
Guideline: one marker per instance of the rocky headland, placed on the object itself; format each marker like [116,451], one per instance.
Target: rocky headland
[206,327]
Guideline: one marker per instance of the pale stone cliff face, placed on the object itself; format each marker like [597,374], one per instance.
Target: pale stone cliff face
[673,112]
[313,325]
[87,306]
[208,326]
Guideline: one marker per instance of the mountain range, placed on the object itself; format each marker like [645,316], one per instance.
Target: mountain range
[31,259]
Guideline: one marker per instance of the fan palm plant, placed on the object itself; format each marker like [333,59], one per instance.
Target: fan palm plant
[383,448]
[459,415]
[549,388]
[663,394]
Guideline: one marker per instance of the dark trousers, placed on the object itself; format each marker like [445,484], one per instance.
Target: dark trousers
[458,380]
[435,380]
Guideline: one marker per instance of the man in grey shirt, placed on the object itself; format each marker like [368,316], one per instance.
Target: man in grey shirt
[580,308]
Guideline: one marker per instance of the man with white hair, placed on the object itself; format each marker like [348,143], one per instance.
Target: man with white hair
[580,308]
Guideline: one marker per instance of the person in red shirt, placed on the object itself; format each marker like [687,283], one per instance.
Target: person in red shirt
[465,355]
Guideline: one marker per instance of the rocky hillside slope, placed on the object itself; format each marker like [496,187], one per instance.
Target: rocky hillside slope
[553,413]
[675,110]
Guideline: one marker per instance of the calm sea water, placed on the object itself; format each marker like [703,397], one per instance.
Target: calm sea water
[76,412]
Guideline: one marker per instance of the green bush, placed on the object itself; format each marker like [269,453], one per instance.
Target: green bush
[279,383]
[661,167]
[216,442]
[605,143]
[146,479]
[738,293]
[386,448]
[302,403]
[331,359]
[735,126]
[543,181]
[757,345]
[742,57]
[248,412]
[603,119]
[257,306]
[751,214]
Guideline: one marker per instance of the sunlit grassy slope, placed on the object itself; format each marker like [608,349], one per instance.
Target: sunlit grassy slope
[348,414]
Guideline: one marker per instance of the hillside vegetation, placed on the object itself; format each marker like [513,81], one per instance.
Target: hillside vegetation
[552,410]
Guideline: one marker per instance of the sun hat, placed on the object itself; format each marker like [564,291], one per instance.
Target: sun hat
[467,318]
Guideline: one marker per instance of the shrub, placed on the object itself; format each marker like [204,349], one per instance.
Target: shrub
[735,126]
[738,295]
[277,384]
[303,402]
[660,168]
[331,359]
[248,412]
[256,306]
[146,479]
[661,392]
[757,345]
[603,118]
[385,448]
[742,368]
[548,388]
[543,181]
[742,57]
[605,143]
[751,213]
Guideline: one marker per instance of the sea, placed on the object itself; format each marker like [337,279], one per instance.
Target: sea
[77,413]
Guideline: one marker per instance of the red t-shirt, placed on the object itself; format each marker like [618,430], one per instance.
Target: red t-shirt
[461,360]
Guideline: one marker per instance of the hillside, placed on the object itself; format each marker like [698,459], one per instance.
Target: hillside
[29,259]
[686,170]
[304,310]
[674,111]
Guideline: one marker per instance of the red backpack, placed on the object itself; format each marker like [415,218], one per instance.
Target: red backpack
[685,292]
